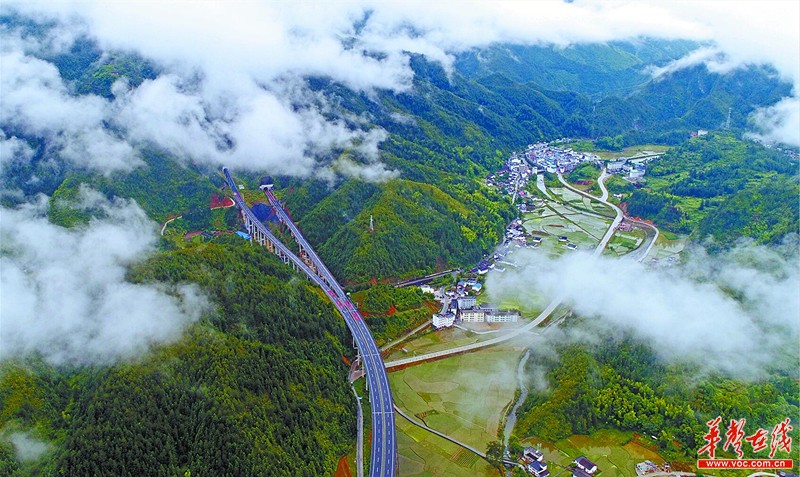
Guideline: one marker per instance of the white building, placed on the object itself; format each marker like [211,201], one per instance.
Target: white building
[615,166]
[443,320]
[472,315]
[533,454]
[466,302]
[586,465]
[636,173]
[497,316]
[478,314]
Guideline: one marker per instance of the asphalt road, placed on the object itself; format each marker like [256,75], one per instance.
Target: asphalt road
[542,316]
[384,437]
[603,199]
[384,434]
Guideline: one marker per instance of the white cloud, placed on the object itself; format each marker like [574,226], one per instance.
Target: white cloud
[686,313]
[220,117]
[375,172]
[63,292]
[13,149]
[779,122]
[714,59]
[36,101]
[246,53]
[247,128]
[27,447]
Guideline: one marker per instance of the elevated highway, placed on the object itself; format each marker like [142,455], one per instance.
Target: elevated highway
[384,436]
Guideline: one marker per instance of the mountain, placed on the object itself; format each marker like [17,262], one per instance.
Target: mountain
[258,384]
[593,69]
[245,392]
[417,228]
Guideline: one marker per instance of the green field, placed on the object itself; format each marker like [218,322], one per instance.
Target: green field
[580,202]
[424,454]
[630,151]
[623,243]
[462,396]
[556,220]
[615,453]
[667,246]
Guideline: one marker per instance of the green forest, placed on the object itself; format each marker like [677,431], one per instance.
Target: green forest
[720,187]
[621,384]
[259,387]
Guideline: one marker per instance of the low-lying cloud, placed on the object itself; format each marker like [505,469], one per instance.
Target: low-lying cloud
[232,89]
[203,115]
[36,101]
[63,293]
[28,448]
[779,122]
[752,33]
[736,313]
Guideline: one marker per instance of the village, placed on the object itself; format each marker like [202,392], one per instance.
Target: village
[544,157]
[459,302]
[532,459]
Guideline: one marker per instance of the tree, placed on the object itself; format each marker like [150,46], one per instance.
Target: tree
[611,143]
[494,454]
[514,447]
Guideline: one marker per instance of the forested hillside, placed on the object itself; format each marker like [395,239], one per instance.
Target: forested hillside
[258,388]
[721,187]
[625,386]
[417,228]
[595,70]
[448,131]
[259,385]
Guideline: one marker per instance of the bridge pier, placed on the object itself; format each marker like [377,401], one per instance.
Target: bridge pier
[262,239]
[384,441]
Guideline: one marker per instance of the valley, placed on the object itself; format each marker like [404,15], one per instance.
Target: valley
[313,239]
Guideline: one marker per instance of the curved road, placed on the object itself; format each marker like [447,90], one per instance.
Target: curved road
[384,439]
[652,242]
[542,316]
[619,215]
[603,199]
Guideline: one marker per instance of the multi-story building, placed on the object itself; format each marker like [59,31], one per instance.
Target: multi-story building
[475,314]
[497,316]
[443,320]
[466,302]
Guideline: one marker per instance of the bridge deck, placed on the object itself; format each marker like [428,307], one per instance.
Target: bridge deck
[384,437]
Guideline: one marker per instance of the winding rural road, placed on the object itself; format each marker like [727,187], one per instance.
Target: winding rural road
[406,336]
[400,363]
[619,214]
[603,199]
[451,439]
